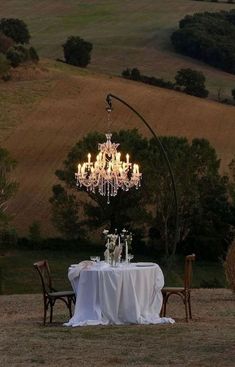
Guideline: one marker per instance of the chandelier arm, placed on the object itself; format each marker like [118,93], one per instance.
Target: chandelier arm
[163,151]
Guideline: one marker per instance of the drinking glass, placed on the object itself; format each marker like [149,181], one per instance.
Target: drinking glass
[93,258]
[130,257]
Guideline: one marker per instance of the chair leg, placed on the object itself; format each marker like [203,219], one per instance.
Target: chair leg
[45,313]
[165,298]
[189,306]
[186,307]
[70,306]
[51,311]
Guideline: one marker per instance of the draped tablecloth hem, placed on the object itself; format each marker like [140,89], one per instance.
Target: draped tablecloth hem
[142,321]
[86,323]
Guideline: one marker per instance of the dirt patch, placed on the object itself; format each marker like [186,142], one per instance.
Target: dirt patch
[29,72]
[208,340]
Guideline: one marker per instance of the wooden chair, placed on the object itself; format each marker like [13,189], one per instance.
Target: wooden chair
[183,292]
[50,295]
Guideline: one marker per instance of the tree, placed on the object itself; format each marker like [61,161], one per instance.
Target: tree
[15,29]
[65,213]
[192,81]
[135,74]
[77,51]
[206,217]
[8,187]
[126,73]
[19,54]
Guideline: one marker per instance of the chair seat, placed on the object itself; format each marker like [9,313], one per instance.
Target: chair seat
[173,289]
[61,294]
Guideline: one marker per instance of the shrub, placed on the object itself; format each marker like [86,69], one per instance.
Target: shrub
[192,81]
[230,266]
[15,29]
[19,54]
[126,73]
[77,51]
[14,57]
[134,74]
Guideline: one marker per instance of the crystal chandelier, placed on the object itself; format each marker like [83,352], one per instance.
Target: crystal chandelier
[108,173]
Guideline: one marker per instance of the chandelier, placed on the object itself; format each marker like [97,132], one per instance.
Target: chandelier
[108,173]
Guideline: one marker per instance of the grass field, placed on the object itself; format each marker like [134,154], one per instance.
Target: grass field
[18,275]
[124,33]
[208,340]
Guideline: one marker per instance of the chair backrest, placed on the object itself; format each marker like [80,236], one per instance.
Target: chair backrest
[44,272]
[188,270]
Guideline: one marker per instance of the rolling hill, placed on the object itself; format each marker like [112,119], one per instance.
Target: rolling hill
[46,109]
[124,33]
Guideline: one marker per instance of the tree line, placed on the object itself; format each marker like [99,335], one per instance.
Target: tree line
[208,37]
[186,80]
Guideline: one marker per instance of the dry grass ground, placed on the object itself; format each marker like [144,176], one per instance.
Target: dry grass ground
[209,340]
[124,33]
[49,109]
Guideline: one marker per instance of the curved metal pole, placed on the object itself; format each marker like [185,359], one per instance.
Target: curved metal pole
[162,150]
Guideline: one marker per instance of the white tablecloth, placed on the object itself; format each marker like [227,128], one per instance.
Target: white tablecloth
[121,295]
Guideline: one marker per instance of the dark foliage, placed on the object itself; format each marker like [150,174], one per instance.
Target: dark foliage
[65,213]
[192,81]
[208,37]
[134,74]
[77,51]
[19,54]
[15,29]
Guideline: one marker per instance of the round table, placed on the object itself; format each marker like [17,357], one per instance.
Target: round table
[127,294]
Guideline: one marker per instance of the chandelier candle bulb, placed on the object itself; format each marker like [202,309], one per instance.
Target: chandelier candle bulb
[127,158]
[89,158]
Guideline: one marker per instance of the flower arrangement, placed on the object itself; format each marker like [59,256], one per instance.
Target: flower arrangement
[115,243]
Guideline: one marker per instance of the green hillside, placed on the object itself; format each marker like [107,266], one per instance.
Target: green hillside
[124,33]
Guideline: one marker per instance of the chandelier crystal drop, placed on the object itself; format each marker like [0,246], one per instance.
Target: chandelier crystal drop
[108,173]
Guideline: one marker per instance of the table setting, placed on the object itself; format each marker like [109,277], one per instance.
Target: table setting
[116,291]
